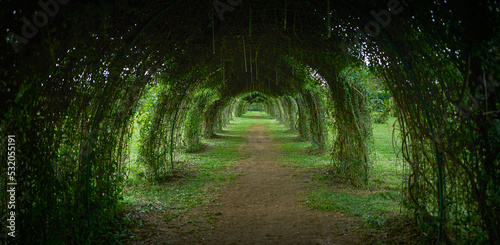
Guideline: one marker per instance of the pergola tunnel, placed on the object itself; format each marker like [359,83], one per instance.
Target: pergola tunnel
[93,89]
[171,121]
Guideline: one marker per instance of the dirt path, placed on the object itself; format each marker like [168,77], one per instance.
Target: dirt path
[262,206]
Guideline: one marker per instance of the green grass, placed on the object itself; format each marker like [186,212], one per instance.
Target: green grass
[344,201]
[372,203]
[198,176]
[372,208]
[387,169]
[297,152]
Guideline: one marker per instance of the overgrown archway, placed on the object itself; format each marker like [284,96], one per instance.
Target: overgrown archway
[74,73]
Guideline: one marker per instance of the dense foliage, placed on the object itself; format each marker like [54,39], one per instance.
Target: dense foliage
[78,77]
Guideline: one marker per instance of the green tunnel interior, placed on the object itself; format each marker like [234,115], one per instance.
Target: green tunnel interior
[76,75]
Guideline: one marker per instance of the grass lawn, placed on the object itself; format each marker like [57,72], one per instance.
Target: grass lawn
[197,178]
[374,203]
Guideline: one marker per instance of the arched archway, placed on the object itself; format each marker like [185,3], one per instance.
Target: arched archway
[73,74]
